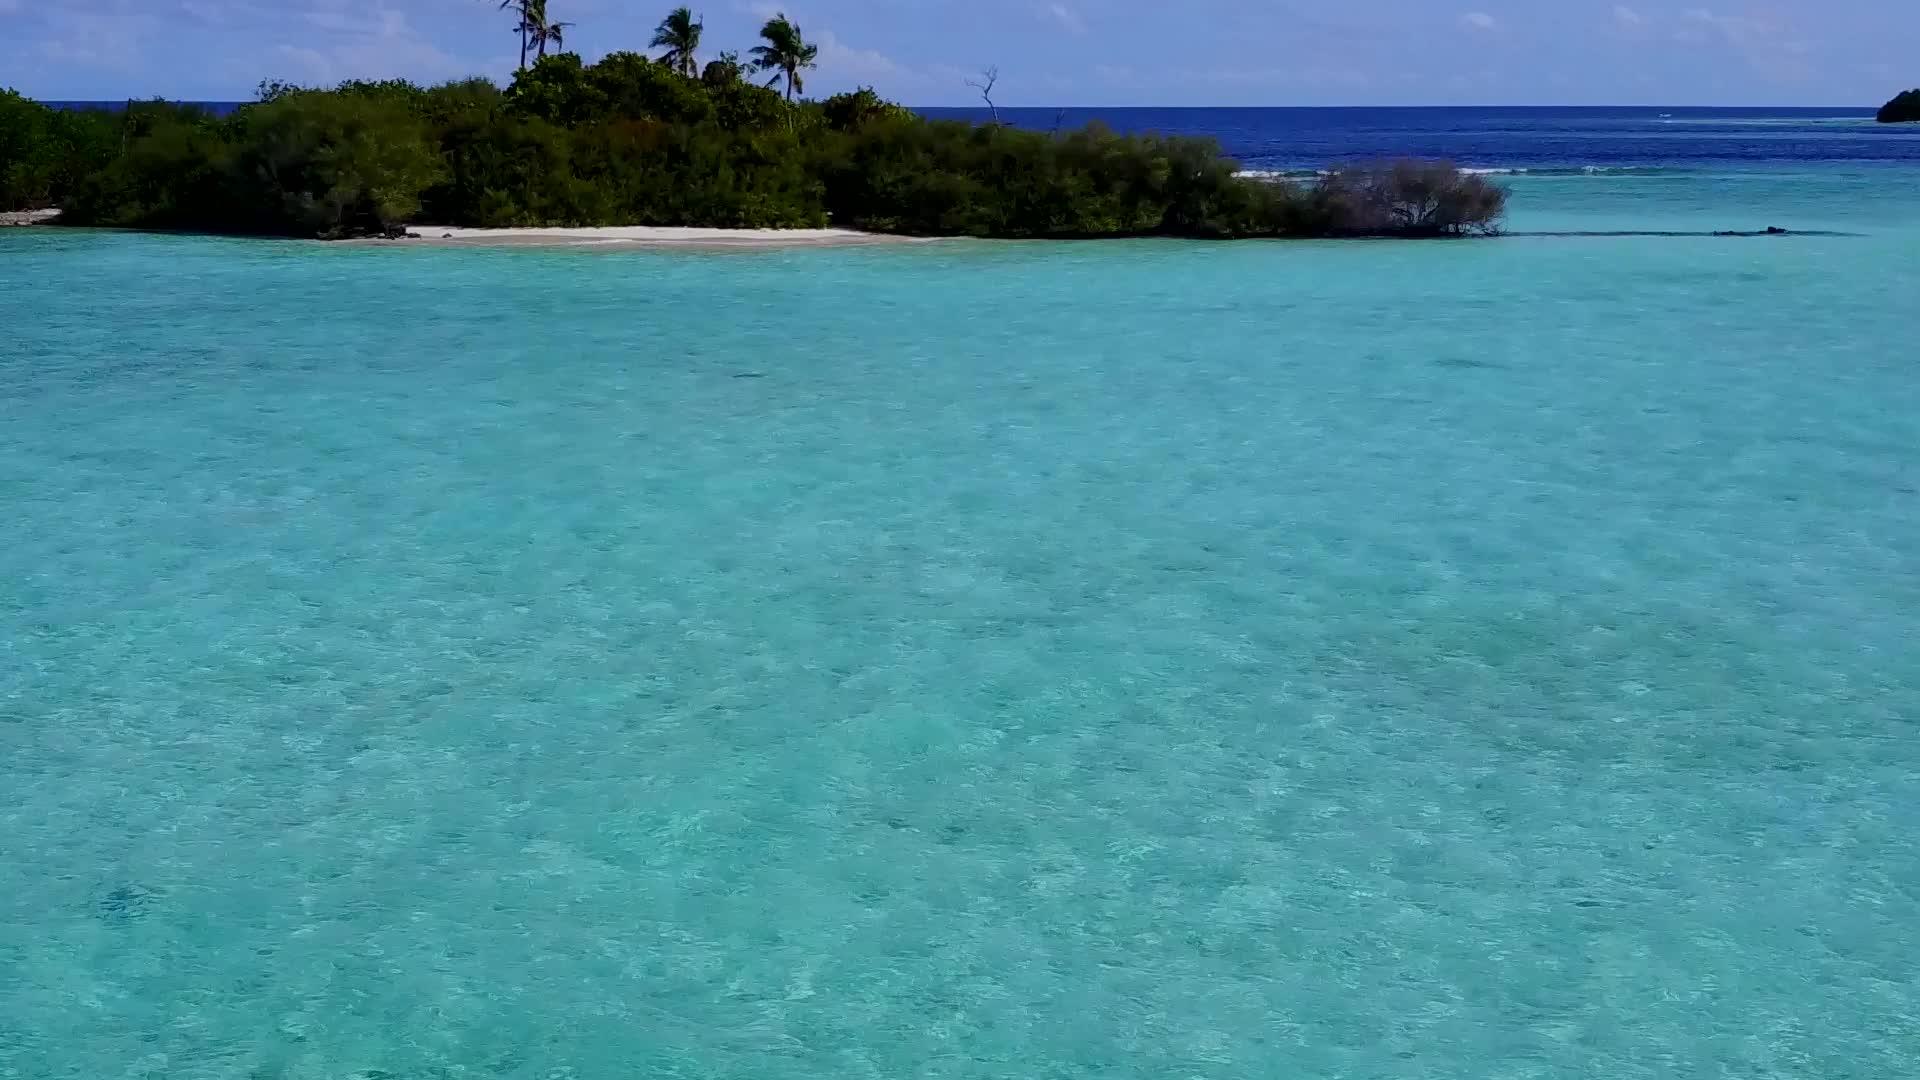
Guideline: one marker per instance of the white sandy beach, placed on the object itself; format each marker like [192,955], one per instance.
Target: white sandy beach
[642,236]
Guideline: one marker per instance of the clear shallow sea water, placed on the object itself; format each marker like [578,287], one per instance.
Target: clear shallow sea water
[1479,660]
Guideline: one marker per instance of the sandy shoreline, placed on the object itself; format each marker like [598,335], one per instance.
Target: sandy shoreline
[27,217]
[639,236]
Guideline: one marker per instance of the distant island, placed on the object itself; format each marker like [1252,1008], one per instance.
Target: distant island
[1903,109]
[638,140]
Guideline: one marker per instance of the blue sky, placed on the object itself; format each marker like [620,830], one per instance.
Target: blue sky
[1049,52]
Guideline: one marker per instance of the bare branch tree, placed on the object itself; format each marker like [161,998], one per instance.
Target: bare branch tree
[984,84]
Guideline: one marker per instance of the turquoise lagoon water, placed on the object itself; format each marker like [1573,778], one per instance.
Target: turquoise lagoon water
[1473,660]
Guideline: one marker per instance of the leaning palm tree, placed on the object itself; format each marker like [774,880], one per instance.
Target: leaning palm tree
[679,34]
[785,53]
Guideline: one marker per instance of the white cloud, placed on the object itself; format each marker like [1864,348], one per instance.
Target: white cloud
[1767,44]
[1736,29]
[843,61]
[1068,18]
[1311,76]
[1768,31]
[108,40]
[379,45]
[1626,16]
[1479,20]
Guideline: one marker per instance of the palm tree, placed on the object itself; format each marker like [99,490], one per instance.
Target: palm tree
[540,32]
[553,33]
[679,34]
[785,53]
[519,7]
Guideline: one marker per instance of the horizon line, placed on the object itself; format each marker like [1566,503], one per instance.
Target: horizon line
[1165,108]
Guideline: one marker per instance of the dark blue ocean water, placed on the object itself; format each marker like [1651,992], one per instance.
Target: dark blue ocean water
[1517,137]
[1512,137]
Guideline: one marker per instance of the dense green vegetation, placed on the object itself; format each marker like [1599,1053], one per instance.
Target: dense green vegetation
[635,140]
[44,153]
[1904,108]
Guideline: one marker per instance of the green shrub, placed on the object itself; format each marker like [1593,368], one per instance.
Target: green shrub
[299,163]
[27,153]
[853,111]
[346,163]
[46,152]
[632,87]
[907,175]
[175,172]
[505,171]
[556,89]
[1409,198]
[724,70]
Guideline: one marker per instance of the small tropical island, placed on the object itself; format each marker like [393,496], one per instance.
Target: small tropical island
[1903,109]
[667,140]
